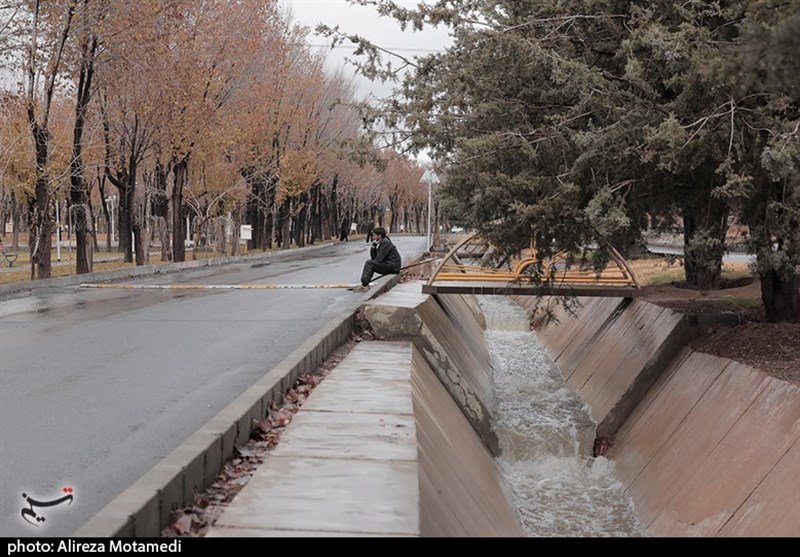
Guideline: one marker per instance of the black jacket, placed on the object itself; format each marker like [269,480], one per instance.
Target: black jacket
[386,252]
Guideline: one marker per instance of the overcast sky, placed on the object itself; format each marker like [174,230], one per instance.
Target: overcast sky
[364,21]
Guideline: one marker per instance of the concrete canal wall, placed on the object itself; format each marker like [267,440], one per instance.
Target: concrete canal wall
[705,446]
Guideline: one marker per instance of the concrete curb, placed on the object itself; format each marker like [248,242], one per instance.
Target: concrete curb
[144,508]
[147,270]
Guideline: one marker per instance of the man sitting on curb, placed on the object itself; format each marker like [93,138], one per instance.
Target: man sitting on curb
[384,259]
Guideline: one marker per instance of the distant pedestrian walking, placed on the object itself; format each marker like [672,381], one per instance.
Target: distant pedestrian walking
[384,259]
[344,231]
[368,229]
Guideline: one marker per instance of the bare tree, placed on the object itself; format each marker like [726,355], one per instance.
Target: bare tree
[50,31]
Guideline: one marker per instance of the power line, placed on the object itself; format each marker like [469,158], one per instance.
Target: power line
[397,49]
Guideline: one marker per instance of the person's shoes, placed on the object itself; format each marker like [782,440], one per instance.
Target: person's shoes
[361,288]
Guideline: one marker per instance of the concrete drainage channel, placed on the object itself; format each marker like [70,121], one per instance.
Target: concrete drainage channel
[701,445]
[681,423]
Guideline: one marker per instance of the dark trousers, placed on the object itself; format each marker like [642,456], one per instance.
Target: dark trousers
[371,267]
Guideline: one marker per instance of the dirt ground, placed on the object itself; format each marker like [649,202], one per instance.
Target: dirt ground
[771,347]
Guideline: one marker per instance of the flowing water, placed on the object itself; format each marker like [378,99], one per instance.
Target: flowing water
[546,435]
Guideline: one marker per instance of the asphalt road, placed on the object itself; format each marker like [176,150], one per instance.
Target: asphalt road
[98,385]
[732,256]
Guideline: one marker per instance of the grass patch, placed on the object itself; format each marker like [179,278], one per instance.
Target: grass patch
[655,271]
[745,302]
[24,273]
[105,261]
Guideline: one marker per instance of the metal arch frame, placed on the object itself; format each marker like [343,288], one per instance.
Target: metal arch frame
[449,255]
[621,281]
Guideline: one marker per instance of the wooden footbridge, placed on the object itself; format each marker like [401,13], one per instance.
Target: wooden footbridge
[468,269]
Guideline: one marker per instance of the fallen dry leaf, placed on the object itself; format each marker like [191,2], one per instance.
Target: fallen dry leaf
[245,451]
[263,426]
[183,524]
[282,417]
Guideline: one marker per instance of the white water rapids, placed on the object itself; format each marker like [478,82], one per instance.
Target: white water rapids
[546,435]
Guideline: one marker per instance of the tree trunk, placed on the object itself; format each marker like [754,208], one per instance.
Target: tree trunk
[80,215]
[93,231]
[16,213]
[197,232]
[220,237]
[703,262]
[393,213]
[5,204]
[101,181]
[284,218]
[180,169]
[774,238]
[275,233]
[126,217]
[781,298]
[333,207]
[40,225]
[160,209]
[147,222]
[235,220]
[269,212]
[41,222]
[139,244]
[705,226]
[323,205]
[277,225]
[254,212]
[315,227]
[300,220]
[79,192]
[269,223]
[259,209]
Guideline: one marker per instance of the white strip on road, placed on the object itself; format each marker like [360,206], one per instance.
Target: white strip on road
[215,286]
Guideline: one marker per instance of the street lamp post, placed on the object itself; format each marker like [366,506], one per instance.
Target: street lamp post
[429,178]
[58,232]
[429,214]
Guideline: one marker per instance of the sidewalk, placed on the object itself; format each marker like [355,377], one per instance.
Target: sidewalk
[347,465]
